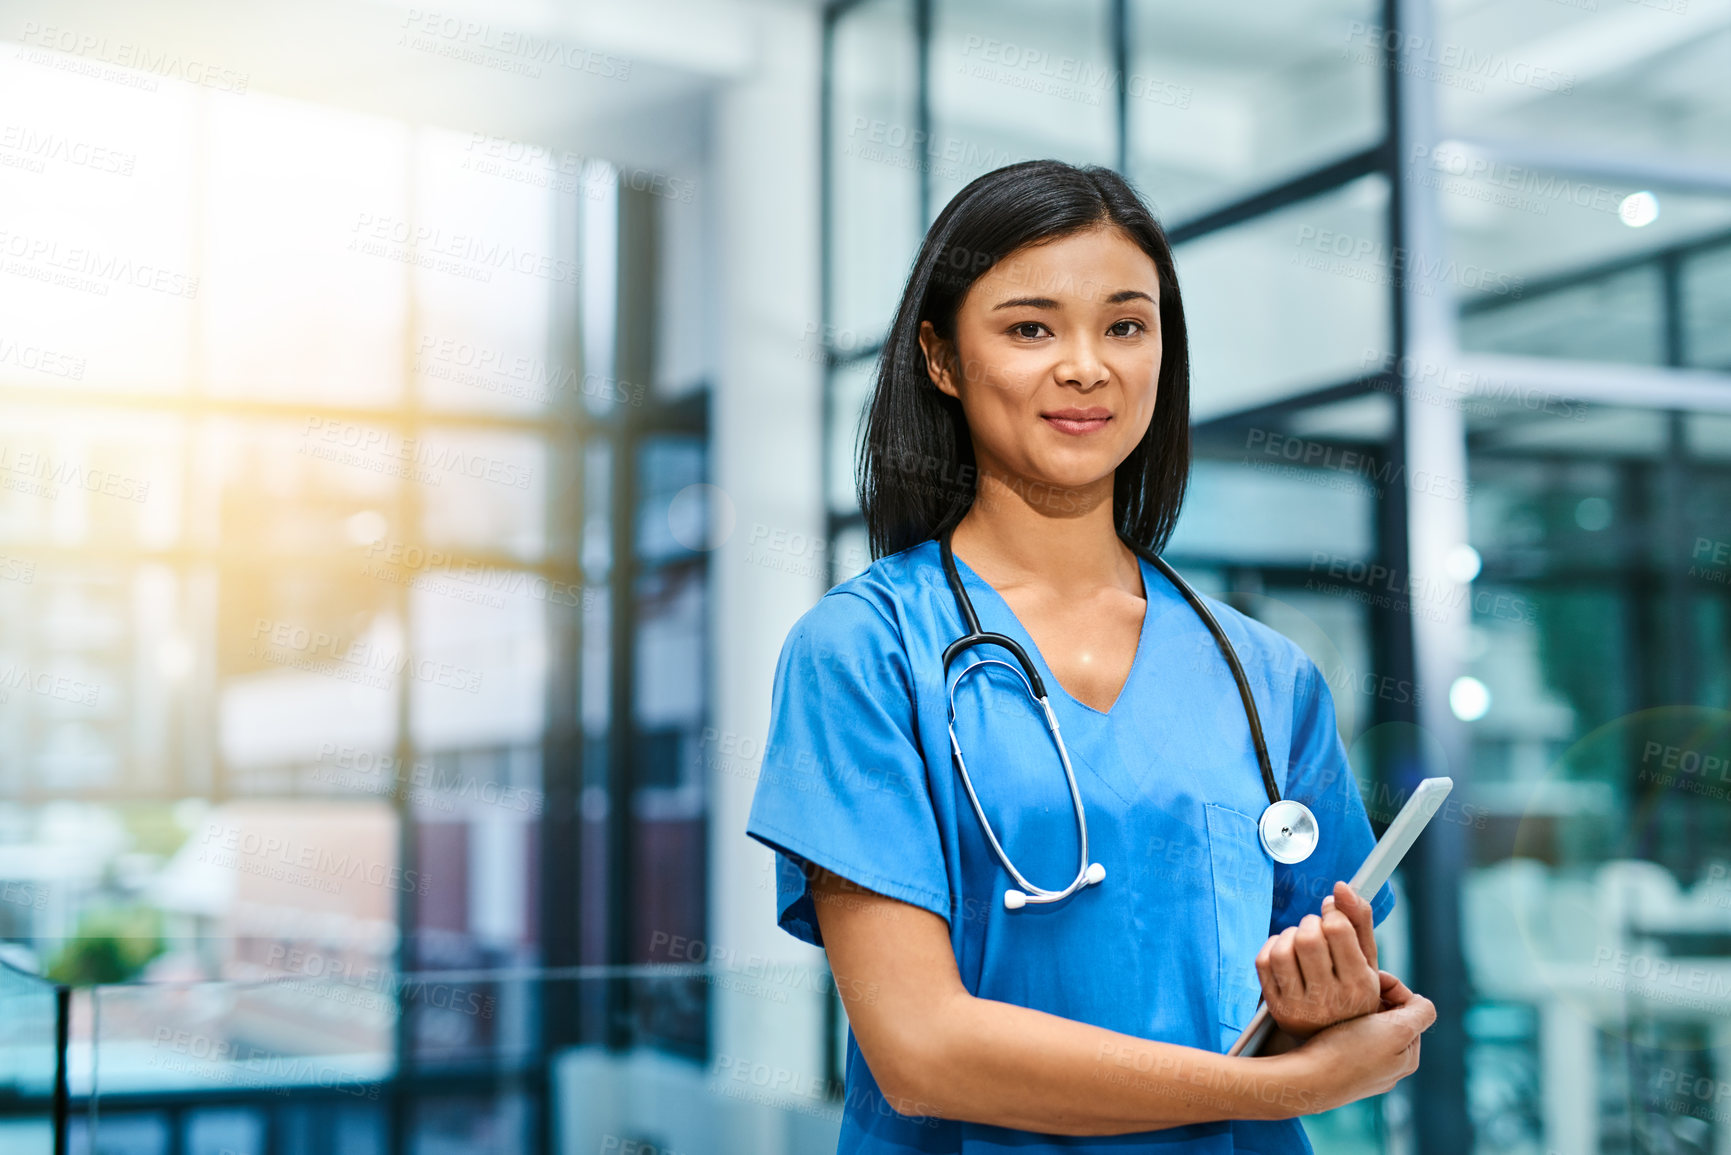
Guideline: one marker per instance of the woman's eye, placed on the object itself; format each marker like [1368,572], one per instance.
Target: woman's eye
[1124,322]
[1022,329]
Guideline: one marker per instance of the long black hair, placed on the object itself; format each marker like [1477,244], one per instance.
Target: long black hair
[916,469]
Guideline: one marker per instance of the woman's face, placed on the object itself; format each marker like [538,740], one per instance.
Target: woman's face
[1056,358]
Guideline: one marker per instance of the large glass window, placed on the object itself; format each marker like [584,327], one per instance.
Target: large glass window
[1290,301]
[1550,263]
[878,163]
[1598,630]
[1018,81]
[1218,108]
[318,436]
[1636,79]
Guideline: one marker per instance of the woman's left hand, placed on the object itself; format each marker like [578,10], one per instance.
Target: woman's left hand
[1322,971]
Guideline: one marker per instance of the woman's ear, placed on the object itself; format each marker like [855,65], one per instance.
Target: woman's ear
[940,359]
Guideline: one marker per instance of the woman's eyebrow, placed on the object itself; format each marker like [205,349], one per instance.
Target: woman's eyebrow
[1117,298]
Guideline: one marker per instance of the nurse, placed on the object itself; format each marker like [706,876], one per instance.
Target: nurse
[1032,405]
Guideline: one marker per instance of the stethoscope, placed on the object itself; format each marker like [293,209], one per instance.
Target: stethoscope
[1287,828]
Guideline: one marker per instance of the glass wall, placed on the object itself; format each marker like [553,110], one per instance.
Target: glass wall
[1470,261]
[351,572]
[1217,108]
[301,1064]
[1596,927]
[32,1061]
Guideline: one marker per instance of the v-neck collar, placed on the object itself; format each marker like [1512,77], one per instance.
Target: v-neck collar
[1022,635]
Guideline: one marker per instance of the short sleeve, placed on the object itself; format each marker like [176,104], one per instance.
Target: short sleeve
[1319,776]
[843,781]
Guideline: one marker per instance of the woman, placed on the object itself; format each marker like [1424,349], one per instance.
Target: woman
[1032,409]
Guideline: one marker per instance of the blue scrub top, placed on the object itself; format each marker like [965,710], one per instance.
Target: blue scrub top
[858,778]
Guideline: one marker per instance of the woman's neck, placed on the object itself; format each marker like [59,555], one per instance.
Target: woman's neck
[1019,533]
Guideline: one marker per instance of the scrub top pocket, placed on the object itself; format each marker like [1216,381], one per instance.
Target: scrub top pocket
[1243,910]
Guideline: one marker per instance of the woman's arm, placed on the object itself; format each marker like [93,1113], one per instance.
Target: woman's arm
[935,1049]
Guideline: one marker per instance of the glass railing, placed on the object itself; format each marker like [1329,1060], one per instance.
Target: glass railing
[646,1060]
[32,1062]
[650,1060]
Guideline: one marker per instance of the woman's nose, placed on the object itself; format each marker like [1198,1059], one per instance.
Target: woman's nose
[1082,365]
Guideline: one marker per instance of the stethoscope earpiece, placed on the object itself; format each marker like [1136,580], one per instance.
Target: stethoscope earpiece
[1016,900]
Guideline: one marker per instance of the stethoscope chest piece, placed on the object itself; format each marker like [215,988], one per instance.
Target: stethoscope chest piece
[1288,831]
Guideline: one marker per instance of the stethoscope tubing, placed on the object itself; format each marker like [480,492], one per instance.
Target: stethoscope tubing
[1024,668]
[1033,893]
[1224,644]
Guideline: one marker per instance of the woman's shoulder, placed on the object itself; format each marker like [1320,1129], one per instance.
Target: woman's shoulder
[868,609]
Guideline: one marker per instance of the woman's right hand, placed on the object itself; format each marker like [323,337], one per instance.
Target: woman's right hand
[1367,1055]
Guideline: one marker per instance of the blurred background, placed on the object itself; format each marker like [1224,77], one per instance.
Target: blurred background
[419,428]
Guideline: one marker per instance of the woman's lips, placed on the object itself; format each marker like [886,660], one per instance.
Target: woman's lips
[1076,424]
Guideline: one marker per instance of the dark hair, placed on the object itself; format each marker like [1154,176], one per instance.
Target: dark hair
[914,430]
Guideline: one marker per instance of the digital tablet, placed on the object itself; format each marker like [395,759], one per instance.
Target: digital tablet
[1377,868]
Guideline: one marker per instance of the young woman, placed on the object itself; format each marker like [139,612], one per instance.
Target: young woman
[1008,985]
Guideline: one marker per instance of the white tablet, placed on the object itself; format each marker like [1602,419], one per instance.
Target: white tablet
[1377,868]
